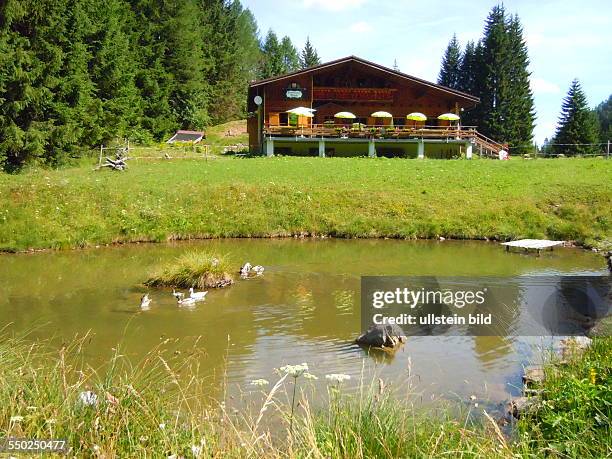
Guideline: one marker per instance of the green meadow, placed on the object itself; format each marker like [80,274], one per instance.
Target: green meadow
[567,199]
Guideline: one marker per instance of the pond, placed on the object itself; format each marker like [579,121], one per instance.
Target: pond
[305,308]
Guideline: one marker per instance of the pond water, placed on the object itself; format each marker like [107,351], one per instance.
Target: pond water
[305,308]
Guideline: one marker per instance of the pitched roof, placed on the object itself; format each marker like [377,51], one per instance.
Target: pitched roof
[369,64]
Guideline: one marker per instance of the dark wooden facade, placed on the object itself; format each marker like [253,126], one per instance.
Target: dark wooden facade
[350,84]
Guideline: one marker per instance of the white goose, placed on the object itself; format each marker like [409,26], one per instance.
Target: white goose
[186,301]
[246,269]
[258,270]
[145,302]
[178,295]
[198,296]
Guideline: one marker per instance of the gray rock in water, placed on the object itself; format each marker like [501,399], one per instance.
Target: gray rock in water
[533,375]
[522,405]
[382,336]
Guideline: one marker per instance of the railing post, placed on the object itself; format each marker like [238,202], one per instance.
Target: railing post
[421,149]
[269,147]
[322,148]
[371,149]
[468,150]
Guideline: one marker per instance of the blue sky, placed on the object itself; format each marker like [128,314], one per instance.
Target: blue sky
[566,39]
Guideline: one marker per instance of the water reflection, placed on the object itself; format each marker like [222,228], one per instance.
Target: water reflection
[305,308]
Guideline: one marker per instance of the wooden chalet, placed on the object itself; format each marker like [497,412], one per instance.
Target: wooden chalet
[361,88]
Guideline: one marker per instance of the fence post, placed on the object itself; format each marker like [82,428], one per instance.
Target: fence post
[608,150]
[100,158]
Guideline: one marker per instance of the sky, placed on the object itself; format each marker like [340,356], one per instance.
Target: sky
[566,39]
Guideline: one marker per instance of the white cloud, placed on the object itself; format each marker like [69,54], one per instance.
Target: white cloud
[542,86]
[333,5]
[361,27]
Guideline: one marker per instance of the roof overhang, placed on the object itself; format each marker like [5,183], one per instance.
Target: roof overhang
[381,68]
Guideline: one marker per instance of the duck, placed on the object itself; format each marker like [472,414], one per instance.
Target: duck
[178,295]
[245,269]
[186,301]
[145,301]
[198,296]
[258,269]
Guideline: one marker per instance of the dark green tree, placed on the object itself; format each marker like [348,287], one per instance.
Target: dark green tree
[291,60]
[46,89]
[604,115]
[578,127]
[518,108]
[113,67]
[472,80]
[309,56]
[495,90]
[467,69]
[229,68]
[450,71]
[272,59]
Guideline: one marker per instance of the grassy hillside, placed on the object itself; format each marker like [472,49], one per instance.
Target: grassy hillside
[356,197]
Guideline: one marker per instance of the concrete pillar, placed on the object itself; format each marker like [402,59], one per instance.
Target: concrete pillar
[269,147]
[468,150]
[371,149]
[421,149]
[322,148]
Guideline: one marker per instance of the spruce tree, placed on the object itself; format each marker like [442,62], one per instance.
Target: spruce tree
[232,66]
[577,126]
[289,54]
[272,57]
[153,78]
[519,112]
[449,75]
[467,69]
[604,116]
[309,56]
[45,86]
[113,69]
[395,65]
[495,90]
[472,81]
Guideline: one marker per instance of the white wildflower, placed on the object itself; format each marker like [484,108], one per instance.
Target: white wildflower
[310,376]
[162,426]
[260,382]
[295,370]
[337,377]
[88,398]
[96,448]
[196,450]
[16,418]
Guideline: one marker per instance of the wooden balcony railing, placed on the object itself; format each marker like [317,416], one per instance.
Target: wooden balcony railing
[340,131]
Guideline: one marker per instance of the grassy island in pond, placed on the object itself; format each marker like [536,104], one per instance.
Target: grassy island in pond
[567,199]
[194,269]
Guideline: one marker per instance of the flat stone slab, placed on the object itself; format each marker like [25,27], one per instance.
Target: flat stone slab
[535,244]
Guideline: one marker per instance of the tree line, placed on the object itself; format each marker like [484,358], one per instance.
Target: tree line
[78,73]
[495,69]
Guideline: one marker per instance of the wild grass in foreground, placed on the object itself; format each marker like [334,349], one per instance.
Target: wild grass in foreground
[568,199]
[158,407]
[194,269]
[575,417]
